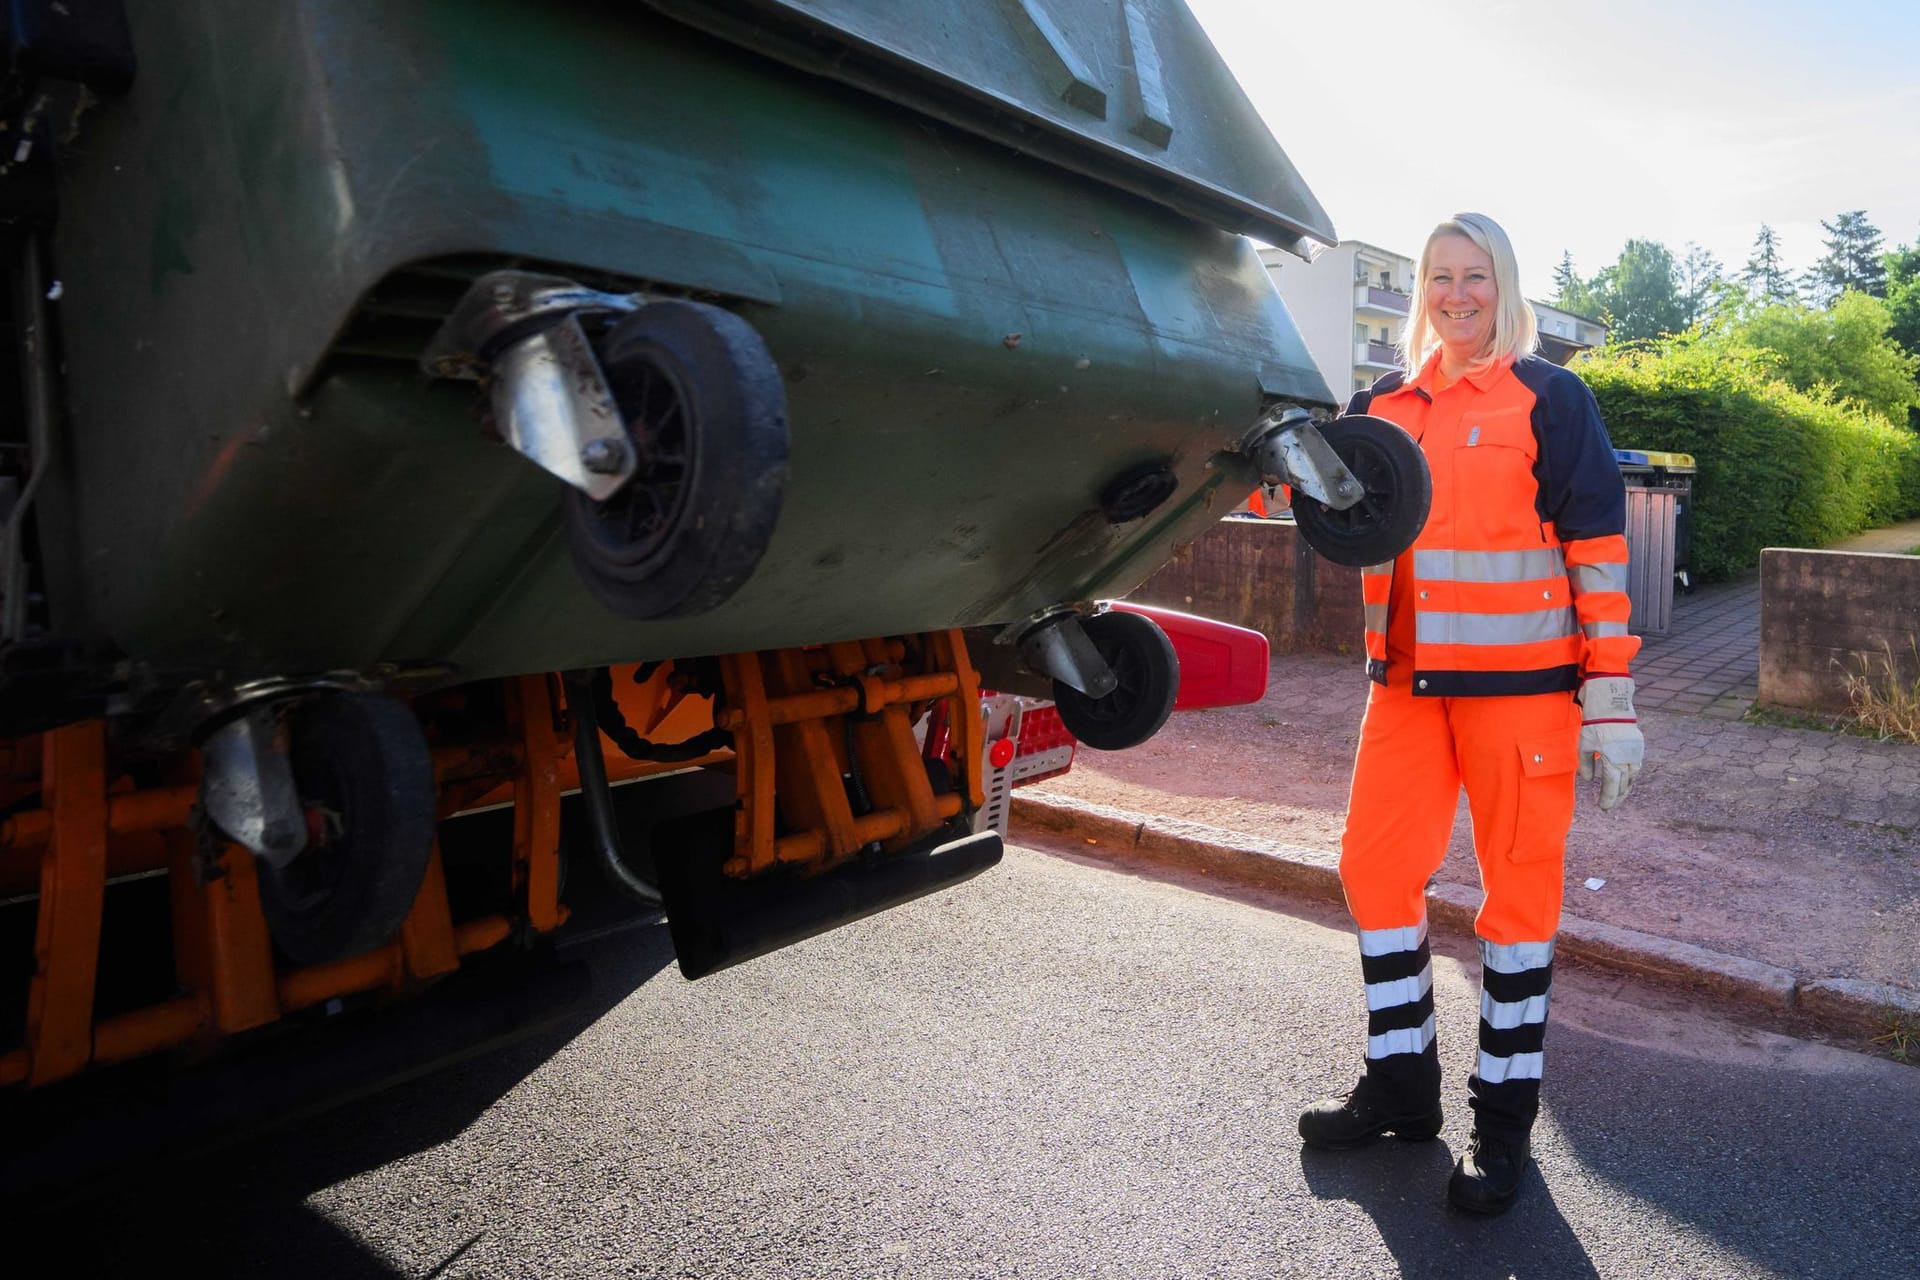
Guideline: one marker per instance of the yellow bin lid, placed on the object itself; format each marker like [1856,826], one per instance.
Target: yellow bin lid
[1671,461]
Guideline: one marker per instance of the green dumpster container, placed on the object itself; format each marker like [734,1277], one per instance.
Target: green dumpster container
[994,252]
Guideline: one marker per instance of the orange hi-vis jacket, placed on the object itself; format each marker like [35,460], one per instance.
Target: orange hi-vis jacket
[1518,582]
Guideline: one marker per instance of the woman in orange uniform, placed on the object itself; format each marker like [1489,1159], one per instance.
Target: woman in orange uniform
[1499,652]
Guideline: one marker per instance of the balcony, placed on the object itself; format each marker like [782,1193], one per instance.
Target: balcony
[1375,355]
[1371,297]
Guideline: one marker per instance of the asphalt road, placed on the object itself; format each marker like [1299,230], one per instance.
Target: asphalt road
[1053,1070]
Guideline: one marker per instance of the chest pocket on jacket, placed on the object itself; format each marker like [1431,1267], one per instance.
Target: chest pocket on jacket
[1495,489]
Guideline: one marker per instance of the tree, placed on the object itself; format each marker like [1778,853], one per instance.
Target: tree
[1902,265]
[1765,274]
[1571,293]
[1852,261]
[1846,351]
[1700,272]
[1903,305]
[1641,292]
[1903,295]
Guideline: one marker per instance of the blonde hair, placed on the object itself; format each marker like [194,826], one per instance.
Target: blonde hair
[1515,330]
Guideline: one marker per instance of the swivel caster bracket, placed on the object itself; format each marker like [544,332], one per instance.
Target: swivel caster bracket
[1288,449]
[551,401]
[247,787]
[1057,646]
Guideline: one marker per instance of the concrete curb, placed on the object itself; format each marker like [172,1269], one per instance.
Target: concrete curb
[1839,1006]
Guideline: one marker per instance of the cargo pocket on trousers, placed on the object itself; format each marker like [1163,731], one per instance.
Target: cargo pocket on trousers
[1545,808]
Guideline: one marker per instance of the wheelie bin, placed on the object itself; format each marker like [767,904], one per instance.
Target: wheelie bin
[1675,472]
[396,371]
[1659,529]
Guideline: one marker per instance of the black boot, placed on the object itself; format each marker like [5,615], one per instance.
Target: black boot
[1487,1179]
[1504,1092]
[1400,1093]
[1372,1109]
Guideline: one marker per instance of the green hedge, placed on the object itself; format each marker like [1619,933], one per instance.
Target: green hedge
[1777,467]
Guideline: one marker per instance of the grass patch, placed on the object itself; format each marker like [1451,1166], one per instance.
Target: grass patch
[1884,702]
[1853,725]
[1901,1039]
[1781,718]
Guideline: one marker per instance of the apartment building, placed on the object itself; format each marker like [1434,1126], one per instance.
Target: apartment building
[1563,334]
[1351,304]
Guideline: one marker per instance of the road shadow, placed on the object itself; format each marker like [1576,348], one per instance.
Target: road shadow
[1402,1186]
[235,1203]
[1788,1153]
[209,1167]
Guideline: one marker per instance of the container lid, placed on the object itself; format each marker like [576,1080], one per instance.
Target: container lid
[1130,92]
[1676,462]
[1630,458]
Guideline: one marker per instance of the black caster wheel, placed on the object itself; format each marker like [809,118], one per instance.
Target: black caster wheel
[1147,675]
[1389,516]
[365,779]
[707,414]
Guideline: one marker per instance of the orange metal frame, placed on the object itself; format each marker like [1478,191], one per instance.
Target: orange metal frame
[801,718]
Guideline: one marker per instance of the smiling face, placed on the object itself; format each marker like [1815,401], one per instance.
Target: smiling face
[1460,298]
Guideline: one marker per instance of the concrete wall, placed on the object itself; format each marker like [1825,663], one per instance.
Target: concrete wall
[1823,612]
[1261,574]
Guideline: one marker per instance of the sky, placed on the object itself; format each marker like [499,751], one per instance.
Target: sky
[1580,126]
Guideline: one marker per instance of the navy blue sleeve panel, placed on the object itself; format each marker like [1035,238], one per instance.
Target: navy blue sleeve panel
[1382,385]
[1580,490]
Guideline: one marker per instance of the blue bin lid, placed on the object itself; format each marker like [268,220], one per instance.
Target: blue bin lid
[1630,458]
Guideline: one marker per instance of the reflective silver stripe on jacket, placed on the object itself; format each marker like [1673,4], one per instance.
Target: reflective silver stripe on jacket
[1495,628]
[1376,614]
[1489,566]
[1587,578]
[1600,630]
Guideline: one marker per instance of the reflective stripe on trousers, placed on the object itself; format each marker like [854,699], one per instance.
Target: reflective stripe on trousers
[1398,970]
[1516,984]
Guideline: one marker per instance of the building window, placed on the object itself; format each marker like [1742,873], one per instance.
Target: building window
[1359,333]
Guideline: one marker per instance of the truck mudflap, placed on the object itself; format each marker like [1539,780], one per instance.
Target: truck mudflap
[718,920]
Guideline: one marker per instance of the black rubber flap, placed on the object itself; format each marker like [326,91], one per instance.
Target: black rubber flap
[717,921]
[1128,91]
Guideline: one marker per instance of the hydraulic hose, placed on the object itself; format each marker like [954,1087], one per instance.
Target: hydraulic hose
[596,795]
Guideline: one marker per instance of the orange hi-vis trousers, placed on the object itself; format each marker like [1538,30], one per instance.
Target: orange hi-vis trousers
[1516,757]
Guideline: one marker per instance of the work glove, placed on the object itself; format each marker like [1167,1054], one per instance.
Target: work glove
[1610,733]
